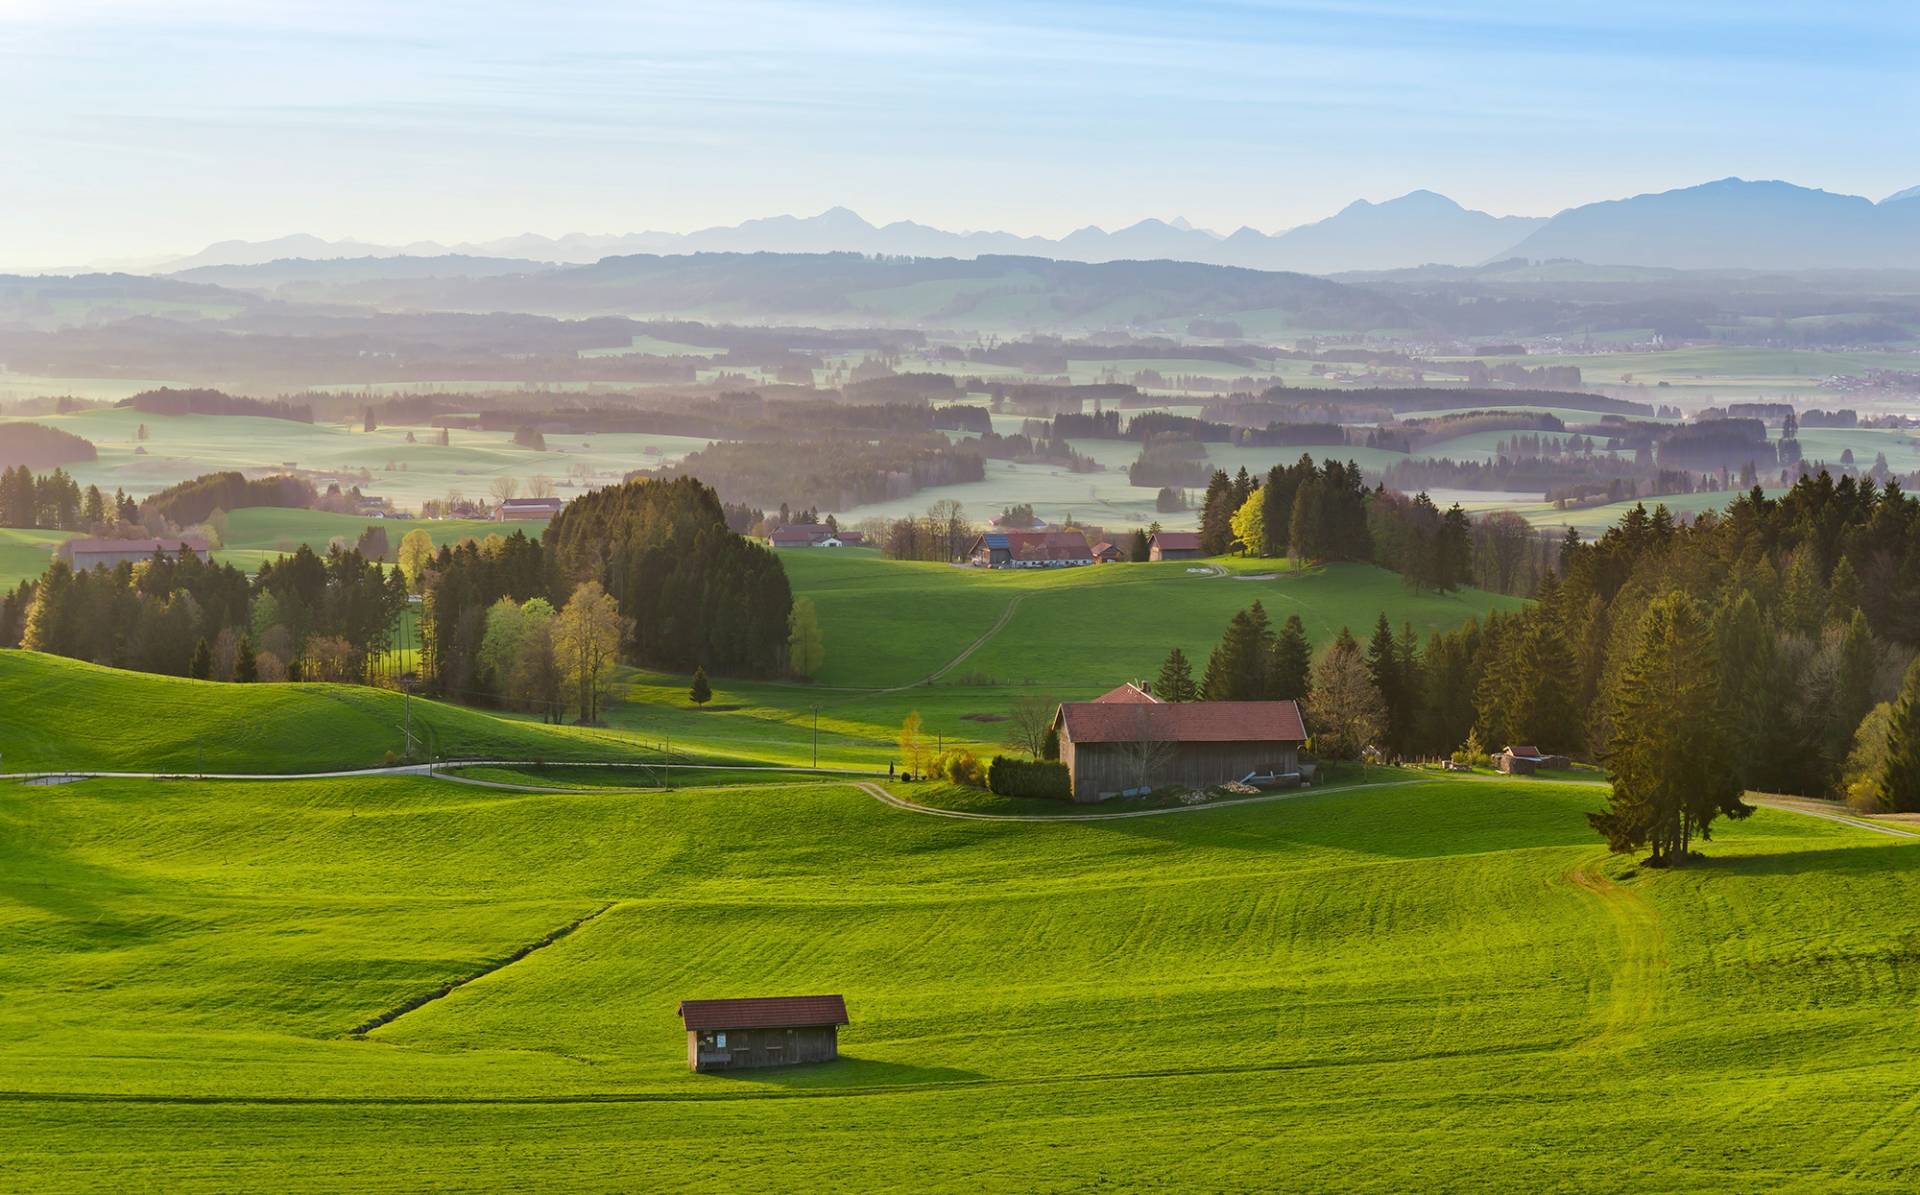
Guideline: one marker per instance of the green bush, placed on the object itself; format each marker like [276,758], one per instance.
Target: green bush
[962,767]
[1019,778]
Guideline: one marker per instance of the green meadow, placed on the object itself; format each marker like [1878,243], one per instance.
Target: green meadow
[1414,985]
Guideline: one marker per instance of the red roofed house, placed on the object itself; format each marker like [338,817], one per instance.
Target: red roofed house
[1128,739]
[1031,549]
[725,1035]
[84,554]
[1108,552]
[1174,545]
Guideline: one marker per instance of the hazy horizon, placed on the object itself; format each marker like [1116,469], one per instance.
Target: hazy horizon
[429,122]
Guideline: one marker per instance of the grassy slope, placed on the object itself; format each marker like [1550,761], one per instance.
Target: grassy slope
[60,713]
[1382,989]
[25,554]
[1072,633]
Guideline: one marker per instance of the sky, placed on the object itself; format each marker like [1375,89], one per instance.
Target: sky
[143,128]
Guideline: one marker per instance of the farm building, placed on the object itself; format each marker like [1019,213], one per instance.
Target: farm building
[84,554]
[1526,759]
[1108,552]
[1128,739]
[515,509]
[1030,549]
[813,535]
[738,1034]
[1174,545]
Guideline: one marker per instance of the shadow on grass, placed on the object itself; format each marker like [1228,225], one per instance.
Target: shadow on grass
[848,1071]
[1862,859]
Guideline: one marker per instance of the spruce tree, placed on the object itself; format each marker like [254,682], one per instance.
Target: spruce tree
[1383,665]
[246,666]
[701,692]
[1852,695]
[1900,775]
[1290,663]
[1175,682]
[202,665]
[1670,753]
[1216,515]
[1140,550]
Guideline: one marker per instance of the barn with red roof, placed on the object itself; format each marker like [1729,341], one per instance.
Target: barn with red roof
[1128,739]
[759,1031]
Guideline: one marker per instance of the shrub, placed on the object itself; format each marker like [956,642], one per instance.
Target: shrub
[962,767]
[1019,778]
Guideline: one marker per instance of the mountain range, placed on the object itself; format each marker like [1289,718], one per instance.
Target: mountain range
[1728,224]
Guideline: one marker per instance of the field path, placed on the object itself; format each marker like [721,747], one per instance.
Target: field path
[1639,970]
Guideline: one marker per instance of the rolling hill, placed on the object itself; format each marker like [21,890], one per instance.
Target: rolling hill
[1371,989]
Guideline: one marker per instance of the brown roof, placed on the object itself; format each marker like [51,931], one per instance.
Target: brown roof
[1127,694]
[1179,541]
[1525,752]
[765,1012]
[1183,722]
[1048,545]
[148,546]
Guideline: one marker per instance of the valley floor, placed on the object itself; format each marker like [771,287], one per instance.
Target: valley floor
[1440,983]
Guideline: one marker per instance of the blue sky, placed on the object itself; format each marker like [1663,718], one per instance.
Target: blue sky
[137,127]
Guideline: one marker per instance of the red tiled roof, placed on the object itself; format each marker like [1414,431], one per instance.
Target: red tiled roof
[1048,545]
[1181,541]
[1127,694]
[765,1012]
[1183,722]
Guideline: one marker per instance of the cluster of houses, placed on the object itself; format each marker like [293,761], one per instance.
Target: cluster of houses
[1068,547]
[815,535]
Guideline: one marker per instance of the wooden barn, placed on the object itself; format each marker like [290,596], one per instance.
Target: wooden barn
[760,1031]
[1128,739]
[1174,545]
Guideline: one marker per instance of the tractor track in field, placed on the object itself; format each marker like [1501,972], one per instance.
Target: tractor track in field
[935,1086]
[393,1014]
[1638,978]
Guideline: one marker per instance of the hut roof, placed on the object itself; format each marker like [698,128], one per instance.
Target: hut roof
[765,1012]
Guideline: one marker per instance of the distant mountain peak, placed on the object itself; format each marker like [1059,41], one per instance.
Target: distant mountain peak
[1899,196]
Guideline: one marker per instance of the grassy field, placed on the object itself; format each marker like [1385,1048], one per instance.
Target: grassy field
[25,554]
[61,713]
[1421,985]
[186,446]
[961,645]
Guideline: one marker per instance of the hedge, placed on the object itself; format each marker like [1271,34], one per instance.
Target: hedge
[1018,778]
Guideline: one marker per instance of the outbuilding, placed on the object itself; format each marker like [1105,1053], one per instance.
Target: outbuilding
[1128,739]
[761,1031]
[1174,545]
[84,554]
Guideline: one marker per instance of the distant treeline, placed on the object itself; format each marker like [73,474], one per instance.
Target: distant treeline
[39,447]
[165,401]
[828,473]
[190,502]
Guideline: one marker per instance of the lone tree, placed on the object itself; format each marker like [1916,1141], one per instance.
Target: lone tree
[1670,752]
[1899,782]
[1031,720]
[1175,682]
[913,745]
[415,557]
[701,692]
[805,652]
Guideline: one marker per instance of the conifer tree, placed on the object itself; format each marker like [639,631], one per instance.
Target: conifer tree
[1383,666]
[1669,753]
[1290,663]
[1175,682]
[1216,515]
[246,665]
[1899,782]
[701,692]
[202,665]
